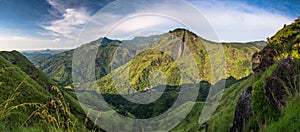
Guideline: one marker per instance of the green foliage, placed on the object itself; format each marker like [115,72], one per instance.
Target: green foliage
[287,38]
[286,42]
[222,119]
[238,59]
[190,123]
[18,60]
[290,120]
[264,113]
[237,55]
[59,67]
[28,99]
[57,109]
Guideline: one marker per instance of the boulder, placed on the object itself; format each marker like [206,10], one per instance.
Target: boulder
[280,82]
[263,60]
[256,61]
[243,111]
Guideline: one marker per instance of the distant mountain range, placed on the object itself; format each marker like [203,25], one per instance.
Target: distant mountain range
[261,84]
[38,55]
[238,58]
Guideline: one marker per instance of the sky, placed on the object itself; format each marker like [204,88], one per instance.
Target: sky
[58,24]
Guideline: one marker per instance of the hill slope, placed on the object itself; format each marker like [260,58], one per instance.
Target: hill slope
[30,99]
[18,88]
[238,57]
[274,89]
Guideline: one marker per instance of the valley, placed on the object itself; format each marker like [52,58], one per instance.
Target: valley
[258,92]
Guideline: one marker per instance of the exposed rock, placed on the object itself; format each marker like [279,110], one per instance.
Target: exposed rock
[234,54]
[256,61]
[263,60]
[280,82]
[243,111]
[181,46]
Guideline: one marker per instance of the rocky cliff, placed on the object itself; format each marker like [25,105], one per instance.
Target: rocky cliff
[276,74]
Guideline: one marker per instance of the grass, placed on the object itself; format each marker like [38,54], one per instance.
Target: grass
[264,113]
[290,119]
[52,116]
[8,111]
[28,104]
[190,123]
[223,117]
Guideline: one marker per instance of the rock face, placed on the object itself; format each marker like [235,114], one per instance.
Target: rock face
[280,82]
[243,111]
[263,60]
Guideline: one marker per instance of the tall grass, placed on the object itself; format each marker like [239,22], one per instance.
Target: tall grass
[290,119]
[8,109]
[54,115]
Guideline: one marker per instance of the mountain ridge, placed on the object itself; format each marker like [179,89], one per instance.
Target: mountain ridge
[58,67]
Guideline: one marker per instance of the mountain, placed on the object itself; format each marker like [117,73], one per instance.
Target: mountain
[269,99]
[145,55]
[261,85]
[261,90]
[238,57]
[18,87]
[59,67]
[26,66]
[30,99]
[38,55]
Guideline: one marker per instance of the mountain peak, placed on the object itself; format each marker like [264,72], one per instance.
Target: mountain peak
[181,31]
[103,41]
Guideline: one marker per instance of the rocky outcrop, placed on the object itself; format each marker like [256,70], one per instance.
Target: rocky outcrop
[243,111]
[181,46]
[263,60]
[281,81]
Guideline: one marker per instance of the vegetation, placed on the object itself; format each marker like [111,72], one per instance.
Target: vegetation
[265,117]
[287,39]
[222,119]
[43,104]
[238,59]
[30,101]
[289,119]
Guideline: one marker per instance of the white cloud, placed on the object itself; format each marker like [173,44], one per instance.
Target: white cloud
[142,22]
[72,22]
[232,21]
[58,5]
[139,16]
[240,22]
[11,42]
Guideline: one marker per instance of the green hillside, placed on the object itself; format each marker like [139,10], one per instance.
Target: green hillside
[59,67]
[29,100]
[238,58]
[273,79]
[237,55]
[18,60]
[275,94]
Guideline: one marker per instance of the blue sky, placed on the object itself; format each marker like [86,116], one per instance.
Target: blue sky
[56,24]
